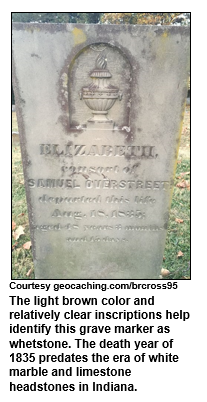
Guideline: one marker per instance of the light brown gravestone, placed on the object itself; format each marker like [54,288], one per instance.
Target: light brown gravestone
[99,110]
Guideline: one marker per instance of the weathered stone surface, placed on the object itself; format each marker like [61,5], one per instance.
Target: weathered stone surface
[99,112]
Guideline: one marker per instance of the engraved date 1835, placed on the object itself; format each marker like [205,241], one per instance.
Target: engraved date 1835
[117,214]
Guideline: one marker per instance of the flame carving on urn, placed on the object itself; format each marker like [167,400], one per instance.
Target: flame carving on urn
[100,95]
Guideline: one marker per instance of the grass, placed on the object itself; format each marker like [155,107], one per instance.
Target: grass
[178,235]
[14,122]
[22,263]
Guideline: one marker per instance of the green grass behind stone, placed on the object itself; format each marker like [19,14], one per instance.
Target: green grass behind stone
[22,263]
[178,235]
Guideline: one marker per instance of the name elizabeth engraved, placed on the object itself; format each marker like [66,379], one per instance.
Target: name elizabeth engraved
[138,151]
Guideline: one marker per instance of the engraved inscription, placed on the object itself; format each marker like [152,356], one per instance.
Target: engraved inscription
[96,200]
[45,228]
[119,227]
[101,184]
[115,200]
[70,200]
[53,183]
[127,184]
[91,169]
[117,214]
[128,214]
[132,151]
[109,214]
[144,200]
[96,239]
[77,215]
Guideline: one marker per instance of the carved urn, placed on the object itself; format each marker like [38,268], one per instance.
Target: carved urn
[100,95]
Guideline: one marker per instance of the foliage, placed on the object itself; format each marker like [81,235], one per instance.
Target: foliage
[105,18]
[144,18]
[84,18]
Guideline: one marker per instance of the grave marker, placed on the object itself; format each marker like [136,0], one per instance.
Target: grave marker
[100,111]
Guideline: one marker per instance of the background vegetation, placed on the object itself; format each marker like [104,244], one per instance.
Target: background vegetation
[105,18]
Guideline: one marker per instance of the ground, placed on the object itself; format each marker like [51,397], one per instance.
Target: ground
[184,150]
